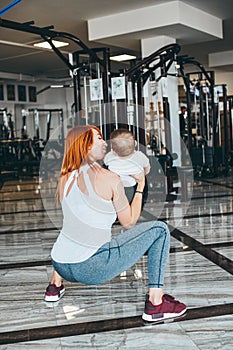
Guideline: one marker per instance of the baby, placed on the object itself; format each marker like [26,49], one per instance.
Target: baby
[124,160]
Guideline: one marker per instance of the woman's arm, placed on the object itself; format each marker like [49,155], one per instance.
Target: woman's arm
[128,215]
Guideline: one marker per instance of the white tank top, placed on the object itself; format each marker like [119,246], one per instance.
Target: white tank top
[87,221]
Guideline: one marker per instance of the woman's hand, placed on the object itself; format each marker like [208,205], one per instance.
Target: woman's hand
[140,178]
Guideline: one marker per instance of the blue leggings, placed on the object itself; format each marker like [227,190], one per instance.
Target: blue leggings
[122,252]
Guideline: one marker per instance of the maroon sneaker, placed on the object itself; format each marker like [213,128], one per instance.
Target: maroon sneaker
[54,293]
[169,308]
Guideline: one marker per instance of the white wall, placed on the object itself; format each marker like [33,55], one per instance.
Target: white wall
[225,78]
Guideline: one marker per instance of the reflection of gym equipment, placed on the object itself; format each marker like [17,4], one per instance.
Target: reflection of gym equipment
[4,127]
[24,134]
[11,126]
[223,127]
[51,137]
[163,178]
[6,133]
[23,154]
[50,114]
[49,35]
[7,176]
[230,116]
[20,155]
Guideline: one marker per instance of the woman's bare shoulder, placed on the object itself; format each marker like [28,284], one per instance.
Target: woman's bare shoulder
[108,174]
[107,183]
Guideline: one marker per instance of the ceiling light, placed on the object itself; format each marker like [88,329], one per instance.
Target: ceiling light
[56,86]
[46,45]
[123,57]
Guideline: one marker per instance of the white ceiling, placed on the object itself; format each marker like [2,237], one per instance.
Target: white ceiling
[71,16]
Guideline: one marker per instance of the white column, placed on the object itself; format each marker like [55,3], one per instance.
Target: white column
[148,46]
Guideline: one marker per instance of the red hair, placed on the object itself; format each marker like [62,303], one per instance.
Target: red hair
[79,140]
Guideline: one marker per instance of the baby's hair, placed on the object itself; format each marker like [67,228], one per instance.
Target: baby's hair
[122,142]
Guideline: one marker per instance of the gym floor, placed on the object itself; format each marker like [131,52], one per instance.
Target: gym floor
[108,316]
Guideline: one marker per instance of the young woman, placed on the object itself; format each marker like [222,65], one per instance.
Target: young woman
[91,198]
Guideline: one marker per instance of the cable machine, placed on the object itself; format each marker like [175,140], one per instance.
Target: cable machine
[207,152]
[145,75]
[93,80]
[147,81]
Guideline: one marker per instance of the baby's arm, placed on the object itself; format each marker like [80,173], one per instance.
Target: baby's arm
[147,169]
[146,164]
